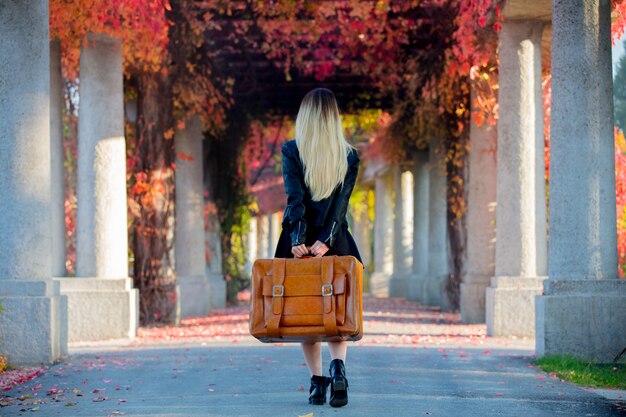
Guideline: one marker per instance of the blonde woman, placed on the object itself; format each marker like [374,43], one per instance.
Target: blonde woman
[319,168]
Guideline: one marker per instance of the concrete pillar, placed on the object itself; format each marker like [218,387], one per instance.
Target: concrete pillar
[383,235]
[33,323]
[214,273]
[57,183]
[582,311]
[438,246]
[361,229]
[193,285]
[481,221]
[421,193]
[263,228]
[520,218]
[102,305]
[251,245]
[402,233]
[274,232]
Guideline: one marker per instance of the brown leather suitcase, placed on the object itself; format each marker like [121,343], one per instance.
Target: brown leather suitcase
[307,299]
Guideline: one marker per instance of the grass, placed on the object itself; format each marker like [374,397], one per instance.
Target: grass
[584,373]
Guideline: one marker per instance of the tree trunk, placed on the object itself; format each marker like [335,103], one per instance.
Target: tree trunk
[153,239]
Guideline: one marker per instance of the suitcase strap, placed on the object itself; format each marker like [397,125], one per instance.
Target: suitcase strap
[330,316]
[278,292]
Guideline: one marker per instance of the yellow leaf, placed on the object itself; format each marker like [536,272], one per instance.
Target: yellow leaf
[307,415]
[168,134]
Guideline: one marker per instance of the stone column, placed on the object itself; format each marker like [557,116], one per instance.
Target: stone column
[521,220]
[57,194]
[361,229]
[438,246]
[274,233]
[252,252]
[421,186]
[33,323]
[481,222]
[402,233]
[383,235]
[263,228]
[582,311]
[193,285]
[214,273]
[102,305]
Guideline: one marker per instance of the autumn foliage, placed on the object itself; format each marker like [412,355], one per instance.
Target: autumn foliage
[182,59]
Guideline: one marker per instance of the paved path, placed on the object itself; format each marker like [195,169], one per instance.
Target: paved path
[453,371]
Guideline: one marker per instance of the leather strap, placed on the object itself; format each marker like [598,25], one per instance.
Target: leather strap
[278,292]
[330,316]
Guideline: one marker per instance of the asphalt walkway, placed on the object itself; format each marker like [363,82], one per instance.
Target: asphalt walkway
[414,362]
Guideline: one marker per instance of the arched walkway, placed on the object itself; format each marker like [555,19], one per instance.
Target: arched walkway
[560,292]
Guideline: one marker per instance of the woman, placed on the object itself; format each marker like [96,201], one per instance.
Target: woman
[319,168]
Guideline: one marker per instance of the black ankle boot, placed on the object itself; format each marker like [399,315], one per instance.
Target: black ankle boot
[338,384]
[317,392]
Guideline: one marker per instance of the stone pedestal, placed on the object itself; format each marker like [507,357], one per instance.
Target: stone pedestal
[402,233]
[510,301]
[57,157]
[433,293]
[582,311]
[481,222]
[101,308]
[383,236]
[421,192]
[101,228]
[521,219]
[34,320]
[33,323]
[193,285]
[584,318]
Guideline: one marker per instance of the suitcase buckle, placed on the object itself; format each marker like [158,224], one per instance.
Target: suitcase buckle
[278,290]
[327,290]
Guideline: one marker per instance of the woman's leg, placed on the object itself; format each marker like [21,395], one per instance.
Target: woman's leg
[339,383]
[338,350]
[313,357]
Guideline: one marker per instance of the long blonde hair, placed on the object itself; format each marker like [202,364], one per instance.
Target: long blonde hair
[323,148]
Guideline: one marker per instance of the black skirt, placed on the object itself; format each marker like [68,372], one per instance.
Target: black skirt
[344,244]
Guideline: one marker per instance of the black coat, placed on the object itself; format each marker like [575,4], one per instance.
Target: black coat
[305,220]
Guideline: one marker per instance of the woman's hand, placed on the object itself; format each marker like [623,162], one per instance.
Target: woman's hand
[299,251]
[319,249]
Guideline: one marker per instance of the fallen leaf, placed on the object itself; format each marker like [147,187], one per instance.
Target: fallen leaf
[70,404]
[307,415]
[99,399]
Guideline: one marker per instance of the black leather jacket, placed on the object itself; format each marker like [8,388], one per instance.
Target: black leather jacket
[327,216]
